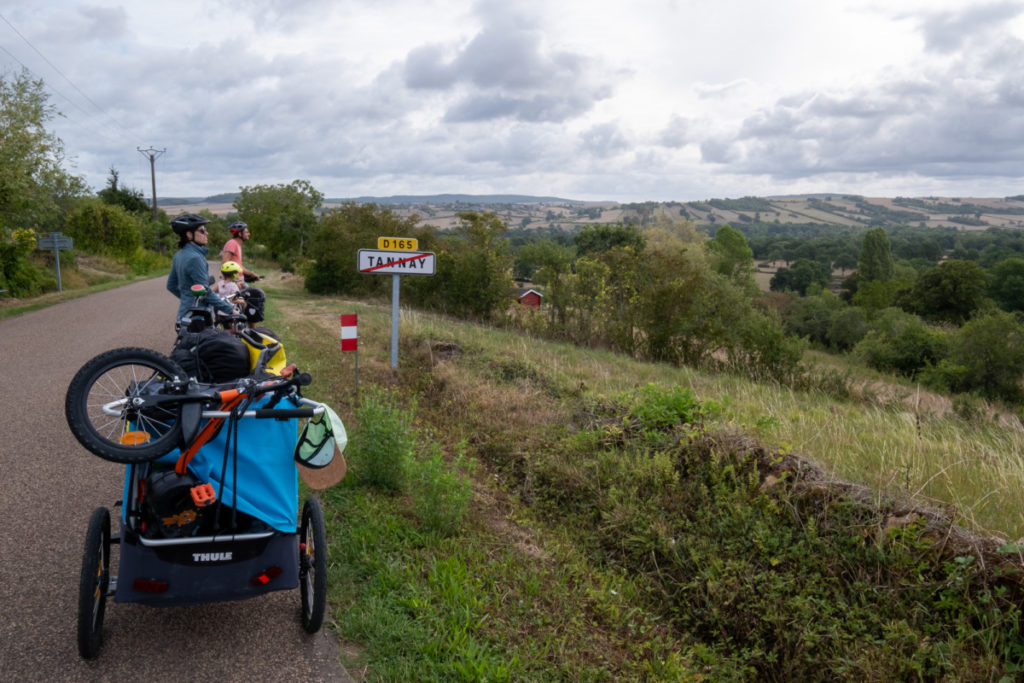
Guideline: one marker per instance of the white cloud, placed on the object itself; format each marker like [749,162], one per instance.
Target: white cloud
[630,101]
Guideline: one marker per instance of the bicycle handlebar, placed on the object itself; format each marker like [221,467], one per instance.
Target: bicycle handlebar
[282,412]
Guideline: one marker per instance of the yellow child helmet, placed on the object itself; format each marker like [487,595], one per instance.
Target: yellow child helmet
[230,268]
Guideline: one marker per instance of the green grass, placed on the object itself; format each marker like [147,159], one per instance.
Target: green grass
[605,540]
[105,274]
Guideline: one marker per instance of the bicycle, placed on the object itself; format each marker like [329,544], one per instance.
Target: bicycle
[132,405]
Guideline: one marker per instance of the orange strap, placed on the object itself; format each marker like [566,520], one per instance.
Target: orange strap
[229,399]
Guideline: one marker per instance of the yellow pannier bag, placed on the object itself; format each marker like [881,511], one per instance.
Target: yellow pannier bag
[265,353]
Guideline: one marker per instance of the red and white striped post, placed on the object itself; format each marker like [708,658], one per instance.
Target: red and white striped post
[350,340]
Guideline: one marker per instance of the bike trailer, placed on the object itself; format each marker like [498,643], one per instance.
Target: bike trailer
[215,521]
[176,552]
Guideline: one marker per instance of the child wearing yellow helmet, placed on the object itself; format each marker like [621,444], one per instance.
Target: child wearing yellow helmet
[228,287]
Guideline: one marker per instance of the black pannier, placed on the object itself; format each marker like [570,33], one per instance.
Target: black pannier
[212,355]
[255,300]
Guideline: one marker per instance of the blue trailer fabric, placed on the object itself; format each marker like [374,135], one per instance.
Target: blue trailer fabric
[268,481]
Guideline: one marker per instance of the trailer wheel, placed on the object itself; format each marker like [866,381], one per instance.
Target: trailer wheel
[313,565]
[93,584]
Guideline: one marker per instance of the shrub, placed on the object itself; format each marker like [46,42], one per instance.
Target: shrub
[986,356]
[100,228]
[144,261]
[18,274]
[381,448]
[659,407]
[441,493]
[901,342]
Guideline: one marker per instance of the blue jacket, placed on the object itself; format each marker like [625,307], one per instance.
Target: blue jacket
[189,268]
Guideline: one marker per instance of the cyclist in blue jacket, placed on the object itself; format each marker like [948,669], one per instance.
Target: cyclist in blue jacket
[189,266]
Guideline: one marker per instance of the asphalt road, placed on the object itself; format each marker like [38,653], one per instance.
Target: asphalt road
[50,486]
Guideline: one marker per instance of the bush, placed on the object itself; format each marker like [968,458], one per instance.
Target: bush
[143,261]
[381,448]
[18,274]
[986,356]
[441,494]
[100,228]
[659,407]
[901,342]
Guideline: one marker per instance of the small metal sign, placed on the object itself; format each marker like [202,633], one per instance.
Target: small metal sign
[56,241]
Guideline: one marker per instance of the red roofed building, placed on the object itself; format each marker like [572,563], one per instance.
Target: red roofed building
[529,297]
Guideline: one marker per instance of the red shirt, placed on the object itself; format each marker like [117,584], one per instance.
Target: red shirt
[233,245]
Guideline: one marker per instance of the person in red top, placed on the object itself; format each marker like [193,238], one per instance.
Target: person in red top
[232,250]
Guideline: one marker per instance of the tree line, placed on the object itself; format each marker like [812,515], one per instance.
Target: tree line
[940,306]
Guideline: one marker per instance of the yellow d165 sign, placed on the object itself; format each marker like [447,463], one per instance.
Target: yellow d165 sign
[398,243]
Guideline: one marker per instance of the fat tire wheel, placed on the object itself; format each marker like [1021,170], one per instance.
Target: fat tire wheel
[93,584]
[118,375]
[313,565]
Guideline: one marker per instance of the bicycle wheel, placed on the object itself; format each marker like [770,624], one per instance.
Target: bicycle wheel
[104,405]
[93,584]
[313,565]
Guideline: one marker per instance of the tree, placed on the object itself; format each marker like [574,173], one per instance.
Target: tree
[337,240]
[128,198]
[949,292]
[542,261]
[594,239]
[35,190]
[282,217]
[731,255]
[875,261]
[473,277]
[1006,285]
[987,356]
[802,275]
[847,327]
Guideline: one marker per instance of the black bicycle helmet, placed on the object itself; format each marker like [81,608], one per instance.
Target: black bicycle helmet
[188,222]
[237,228]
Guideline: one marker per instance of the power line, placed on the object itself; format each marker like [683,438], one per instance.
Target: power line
[53,66]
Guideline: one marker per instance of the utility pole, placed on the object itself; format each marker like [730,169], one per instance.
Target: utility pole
[152,154]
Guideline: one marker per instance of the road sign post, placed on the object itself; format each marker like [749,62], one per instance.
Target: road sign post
[56,241]
[396,259]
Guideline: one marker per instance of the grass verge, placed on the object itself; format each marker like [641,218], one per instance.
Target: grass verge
[626,522]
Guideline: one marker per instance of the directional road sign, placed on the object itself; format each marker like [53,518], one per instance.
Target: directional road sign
[396,262]
[55,241]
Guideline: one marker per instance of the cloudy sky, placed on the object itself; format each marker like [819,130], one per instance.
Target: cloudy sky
[627,101]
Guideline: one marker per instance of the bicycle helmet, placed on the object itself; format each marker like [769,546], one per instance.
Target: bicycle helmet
[237,228]
[188,222]
[230,268]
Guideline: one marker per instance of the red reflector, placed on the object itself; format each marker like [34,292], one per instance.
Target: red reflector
[265,578]
[150,586]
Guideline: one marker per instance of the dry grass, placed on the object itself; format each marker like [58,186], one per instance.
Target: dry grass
[894,439]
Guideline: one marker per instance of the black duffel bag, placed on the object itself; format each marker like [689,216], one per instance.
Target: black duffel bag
[212,355]
[255,300]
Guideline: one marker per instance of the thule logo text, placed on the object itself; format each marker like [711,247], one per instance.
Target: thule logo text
[211,557]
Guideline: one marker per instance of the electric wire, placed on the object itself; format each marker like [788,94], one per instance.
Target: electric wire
[110,128]
[53,66]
